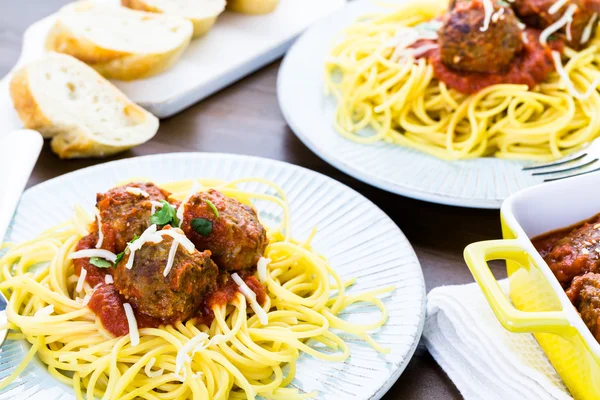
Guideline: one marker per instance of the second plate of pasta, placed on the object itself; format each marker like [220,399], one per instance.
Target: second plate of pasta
[361,90]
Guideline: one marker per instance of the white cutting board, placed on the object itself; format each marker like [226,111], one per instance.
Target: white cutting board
[237,46]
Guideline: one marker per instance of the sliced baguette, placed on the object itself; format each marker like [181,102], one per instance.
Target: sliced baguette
[118,42]
[252,6]
[83,113]
[201,13]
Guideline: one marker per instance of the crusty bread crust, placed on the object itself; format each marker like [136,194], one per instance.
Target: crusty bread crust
[201,26]
[26,106]
[252,6]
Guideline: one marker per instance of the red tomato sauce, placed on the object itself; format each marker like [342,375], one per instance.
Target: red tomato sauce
[529,68]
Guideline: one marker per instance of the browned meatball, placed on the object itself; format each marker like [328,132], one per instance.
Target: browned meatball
[463,45]
[574,254]
[585,296]
[536,13]
[173,297]
[125,214]
[236,238]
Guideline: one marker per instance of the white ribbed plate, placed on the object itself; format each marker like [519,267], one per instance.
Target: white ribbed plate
[357,237]
[478,183]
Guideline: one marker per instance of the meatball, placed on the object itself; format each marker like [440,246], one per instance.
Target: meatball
[174,297]
[125,212]
[585,296]
[575,254]
[463,45]
[237,239]
[536,13]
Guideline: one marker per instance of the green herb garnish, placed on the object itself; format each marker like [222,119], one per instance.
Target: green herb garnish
[202,226]
[100,262]
[552,37]
[212,207]
[167,215]
[122,254]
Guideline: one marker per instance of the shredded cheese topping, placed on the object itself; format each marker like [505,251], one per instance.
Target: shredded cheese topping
[567,81]
[405,37]
[155,205]
[108,279]
[178,239]
[251,297]
[261,268]
[181,208]
[100,233]
[187,351]
[562,21]
[569,36]
[557,6]
[100,253]
[488,8]
[419,51]
[81,280]
[45,312]
[587,31]
[498,15]
[148,369]
[134,334]
[524,37]
[137,192]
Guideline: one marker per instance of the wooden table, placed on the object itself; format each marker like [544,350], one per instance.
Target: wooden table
[245,119]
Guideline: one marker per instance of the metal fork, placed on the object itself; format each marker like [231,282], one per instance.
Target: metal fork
[579,163]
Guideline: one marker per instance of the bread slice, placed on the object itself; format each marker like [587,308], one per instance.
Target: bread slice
[83,113]
[252,6]
[201,13]
[118,42]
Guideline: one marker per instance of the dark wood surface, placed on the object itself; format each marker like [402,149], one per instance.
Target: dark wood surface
[245,119]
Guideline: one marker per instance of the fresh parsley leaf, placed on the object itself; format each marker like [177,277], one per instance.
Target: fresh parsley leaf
[552,37]
[122,254]
[202,226]
[100,262]
[212,207]
[167,215]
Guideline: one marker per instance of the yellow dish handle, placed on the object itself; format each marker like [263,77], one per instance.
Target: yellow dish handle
[477,255]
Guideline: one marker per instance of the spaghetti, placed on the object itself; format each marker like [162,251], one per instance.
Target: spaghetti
[237,355]
[383,97]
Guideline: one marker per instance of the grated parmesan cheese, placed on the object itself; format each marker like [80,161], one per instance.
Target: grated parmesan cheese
[178,239]
[100,233]
[45,312]
[181,208]
[557,6]
[81,280]
[562,21]
[497,15]
[569,36]
[148,369]
[137,192]
[134,334]
[488,8]
[587,31]
[108,279]
[100,253]
[149,235]
[567,81]
[155,204]
[251,297]
[261,268]
[187,351]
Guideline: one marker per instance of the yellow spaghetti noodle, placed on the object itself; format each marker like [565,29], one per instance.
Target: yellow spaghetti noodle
[241,359]
[402,102]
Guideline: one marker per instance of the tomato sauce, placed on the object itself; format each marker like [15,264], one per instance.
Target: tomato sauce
[107,304]
[529,68]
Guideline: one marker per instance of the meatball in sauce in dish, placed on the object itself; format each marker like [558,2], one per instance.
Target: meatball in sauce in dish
[236,238]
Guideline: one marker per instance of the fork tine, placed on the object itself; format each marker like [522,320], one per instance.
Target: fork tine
[570,176]
[574,157]
[557,171]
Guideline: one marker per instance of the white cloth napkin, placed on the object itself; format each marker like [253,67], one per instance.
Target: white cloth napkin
[484,360]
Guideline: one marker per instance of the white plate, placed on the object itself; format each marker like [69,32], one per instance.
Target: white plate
[357,237]
[237,46]
[479,183]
